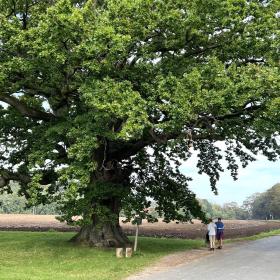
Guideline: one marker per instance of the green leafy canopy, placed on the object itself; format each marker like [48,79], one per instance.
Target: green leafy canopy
[104,99]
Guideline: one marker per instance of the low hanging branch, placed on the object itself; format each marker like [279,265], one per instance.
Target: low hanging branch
[6,176]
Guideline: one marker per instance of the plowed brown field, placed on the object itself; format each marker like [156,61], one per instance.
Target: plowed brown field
[233,228]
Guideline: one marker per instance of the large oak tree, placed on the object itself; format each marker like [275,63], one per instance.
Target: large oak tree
[101,101]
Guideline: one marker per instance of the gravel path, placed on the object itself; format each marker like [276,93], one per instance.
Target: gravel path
[255,260]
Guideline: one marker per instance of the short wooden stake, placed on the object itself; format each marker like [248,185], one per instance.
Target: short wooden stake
[119,252]
[128,252]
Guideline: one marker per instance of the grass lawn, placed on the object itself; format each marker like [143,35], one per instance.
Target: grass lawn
[255,237]
[49,255]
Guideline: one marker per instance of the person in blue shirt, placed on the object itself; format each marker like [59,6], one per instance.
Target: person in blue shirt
[220,233]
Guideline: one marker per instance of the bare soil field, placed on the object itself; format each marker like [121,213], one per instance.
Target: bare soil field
[28,222]
[233,228]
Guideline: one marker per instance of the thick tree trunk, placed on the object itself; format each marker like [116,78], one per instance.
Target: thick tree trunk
[108,235]
[105,230]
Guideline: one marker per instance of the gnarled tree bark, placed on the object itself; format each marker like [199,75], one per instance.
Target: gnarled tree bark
[102,233]
[106,231]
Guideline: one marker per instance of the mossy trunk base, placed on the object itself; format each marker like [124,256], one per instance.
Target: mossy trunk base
[109,235]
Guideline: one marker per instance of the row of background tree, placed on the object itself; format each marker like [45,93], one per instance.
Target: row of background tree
[13,203]
[264,205]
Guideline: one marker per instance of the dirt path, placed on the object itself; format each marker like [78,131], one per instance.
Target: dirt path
[181,259]
[170,261]
[253,260]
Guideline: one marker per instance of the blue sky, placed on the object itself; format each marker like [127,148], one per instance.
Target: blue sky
[258,176]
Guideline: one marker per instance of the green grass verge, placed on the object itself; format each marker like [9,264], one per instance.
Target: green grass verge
[49,256]
[255,237]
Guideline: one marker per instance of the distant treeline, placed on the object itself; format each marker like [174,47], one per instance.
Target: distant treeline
[13,203]
[264,206]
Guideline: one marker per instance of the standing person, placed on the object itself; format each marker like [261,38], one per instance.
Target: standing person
[211,227]
[207,241]
[220,233]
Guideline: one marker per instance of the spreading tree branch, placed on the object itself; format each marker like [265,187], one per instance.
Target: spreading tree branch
[48,177]
[124,150]
[6,176]
[25,110]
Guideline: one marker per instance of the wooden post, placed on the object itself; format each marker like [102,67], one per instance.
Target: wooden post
[136,238]
[128,252]
[119,252]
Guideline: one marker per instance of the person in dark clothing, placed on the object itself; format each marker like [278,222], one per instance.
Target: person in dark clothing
[220,233]
[207,240]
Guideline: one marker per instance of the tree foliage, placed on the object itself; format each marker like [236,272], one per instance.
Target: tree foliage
[266,205]
[104,99]
[228,211]
[13,203]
